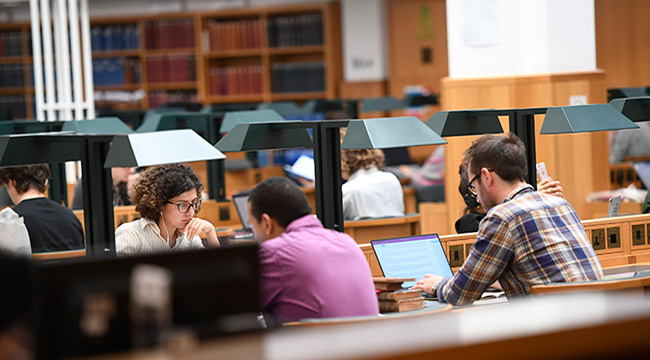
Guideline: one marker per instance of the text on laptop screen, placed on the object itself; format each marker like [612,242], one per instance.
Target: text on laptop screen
[412,257]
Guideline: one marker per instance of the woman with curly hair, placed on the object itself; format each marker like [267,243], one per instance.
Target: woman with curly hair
[51,226]
[168,197]
[369,192]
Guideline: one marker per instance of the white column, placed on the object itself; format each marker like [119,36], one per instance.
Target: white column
[57,104]
[513,37]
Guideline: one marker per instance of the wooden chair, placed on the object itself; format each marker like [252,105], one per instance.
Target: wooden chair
[365,230]
[637,285]
[59,254]
[431,309]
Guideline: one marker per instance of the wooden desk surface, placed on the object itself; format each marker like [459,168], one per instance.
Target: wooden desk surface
[557,327]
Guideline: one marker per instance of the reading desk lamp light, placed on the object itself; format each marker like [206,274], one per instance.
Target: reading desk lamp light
[558,120]
[361,134]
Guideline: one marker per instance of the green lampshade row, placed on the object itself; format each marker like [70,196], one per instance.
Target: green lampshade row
[584,118]
[244,117]
[252,137]
[161,147]
[635,109]
[464,123]
[101,126]
[384,103]
[384,133]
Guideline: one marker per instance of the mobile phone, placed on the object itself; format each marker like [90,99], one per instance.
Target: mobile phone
[541,171]
[614,206]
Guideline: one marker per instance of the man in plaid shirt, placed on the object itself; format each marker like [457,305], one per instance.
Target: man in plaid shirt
[527,237]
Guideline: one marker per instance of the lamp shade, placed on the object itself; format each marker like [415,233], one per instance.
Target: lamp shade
[466,122]
[635,109]
[584,118]
[384,103]
[247,117]
[100,126]
[287,109]
[383,133]
[161,147]
[265,136]
[26,149]
[420,100]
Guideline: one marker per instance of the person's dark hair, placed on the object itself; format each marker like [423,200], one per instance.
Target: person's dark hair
[157,184]
[470,200]
[505,155]
[281,199]
[27,177]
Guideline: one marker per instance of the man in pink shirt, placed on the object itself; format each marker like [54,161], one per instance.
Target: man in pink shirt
[306,270]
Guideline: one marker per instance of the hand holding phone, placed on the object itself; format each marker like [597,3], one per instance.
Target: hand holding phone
[541,171]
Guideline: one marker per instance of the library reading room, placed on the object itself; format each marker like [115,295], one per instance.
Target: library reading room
[324,179]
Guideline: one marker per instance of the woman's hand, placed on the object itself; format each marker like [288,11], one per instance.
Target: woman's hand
[197,226]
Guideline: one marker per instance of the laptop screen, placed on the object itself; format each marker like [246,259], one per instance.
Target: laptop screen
[412,257]
[241,204]
[642,169]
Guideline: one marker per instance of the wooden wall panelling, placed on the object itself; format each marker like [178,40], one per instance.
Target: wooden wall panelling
[418,44]
[621,49]
[577,160]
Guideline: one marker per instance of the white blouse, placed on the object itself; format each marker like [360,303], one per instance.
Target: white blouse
[142,236]
[371,193]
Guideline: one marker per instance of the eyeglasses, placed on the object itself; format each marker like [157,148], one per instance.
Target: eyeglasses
[470,186]
[183,206]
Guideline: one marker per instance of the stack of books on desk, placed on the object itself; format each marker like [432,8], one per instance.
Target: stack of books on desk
[393,298]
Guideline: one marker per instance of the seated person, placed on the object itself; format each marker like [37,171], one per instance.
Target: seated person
[473,213]
[51,226]
[168,197]
[369,192]
[5,200]
[306,270]
[527,237]
[630,143]
[432,171]
[123,179]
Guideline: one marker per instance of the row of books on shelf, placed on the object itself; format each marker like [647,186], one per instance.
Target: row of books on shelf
[12,75]
[172,68]
[161,97]
[240,80]
[14,106]
[11,44]
[114,37]
[307,76]
[295,30]
[116,71]
[169,34]
[234,35]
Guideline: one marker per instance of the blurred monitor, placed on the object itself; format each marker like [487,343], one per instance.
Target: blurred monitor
[83,307]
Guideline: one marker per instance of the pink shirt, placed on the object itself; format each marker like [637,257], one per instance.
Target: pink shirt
[313,272]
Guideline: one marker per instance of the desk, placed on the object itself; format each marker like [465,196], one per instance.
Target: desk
[560,327]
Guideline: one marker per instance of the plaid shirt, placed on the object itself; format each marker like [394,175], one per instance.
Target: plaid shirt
[532,238]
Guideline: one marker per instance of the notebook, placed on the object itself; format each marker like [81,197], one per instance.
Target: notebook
[241,204]
[412,257]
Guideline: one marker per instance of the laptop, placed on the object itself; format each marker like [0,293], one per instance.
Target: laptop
[411,257]
[642,169]
[241,204]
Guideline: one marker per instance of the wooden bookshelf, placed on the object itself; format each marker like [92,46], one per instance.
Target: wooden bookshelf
[252,48]
[15,76]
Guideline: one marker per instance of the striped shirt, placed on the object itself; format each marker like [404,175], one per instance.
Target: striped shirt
[142,236]
[530,239]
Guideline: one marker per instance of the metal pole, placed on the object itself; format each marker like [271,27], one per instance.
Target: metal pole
[48,59]
[87,61]
[327,158]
